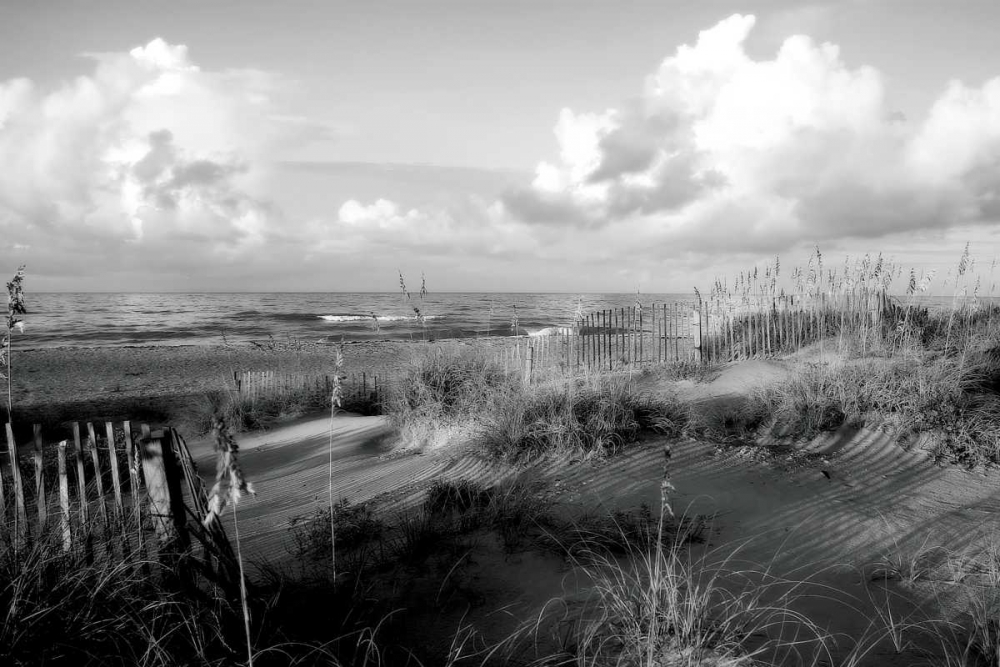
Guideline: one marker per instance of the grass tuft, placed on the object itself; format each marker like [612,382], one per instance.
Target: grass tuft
[956,401]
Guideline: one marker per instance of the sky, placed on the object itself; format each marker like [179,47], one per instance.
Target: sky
[542,145]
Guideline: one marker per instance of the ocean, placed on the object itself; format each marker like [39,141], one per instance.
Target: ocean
[117,319]
[133,319]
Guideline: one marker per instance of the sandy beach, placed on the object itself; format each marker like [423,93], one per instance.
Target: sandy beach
[165,383]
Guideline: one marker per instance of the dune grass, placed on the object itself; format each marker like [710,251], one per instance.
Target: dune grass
[468,396]
[954,399]
[107,609]
[457,522]
[881,361]
[596,417]
[266,412]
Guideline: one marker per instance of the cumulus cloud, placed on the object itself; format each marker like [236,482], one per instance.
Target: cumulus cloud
[719,149]
[383,214]
[148,147]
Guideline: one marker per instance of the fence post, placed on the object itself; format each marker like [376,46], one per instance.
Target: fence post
[116,482]
[528,363]
[67,536]
[133,470]
[163,488]
[81,482]
[3,497]
[21,513]
[642,348]
[40,503]
[696,329]
[608,324]
[92,446]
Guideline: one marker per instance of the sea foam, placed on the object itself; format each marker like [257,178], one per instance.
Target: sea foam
[368,318]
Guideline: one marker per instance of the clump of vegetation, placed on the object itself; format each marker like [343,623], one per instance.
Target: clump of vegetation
[955,401]
[597,418]
[446,387]
[15,308]
[899,365]
[461,497]
[472,395]
[627,532]
[71,609]
[263,412]
[354,526]
[668,607]
[247,413]
[512,509]
[696,370]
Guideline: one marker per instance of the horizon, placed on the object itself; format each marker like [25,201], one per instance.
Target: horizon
[179,149]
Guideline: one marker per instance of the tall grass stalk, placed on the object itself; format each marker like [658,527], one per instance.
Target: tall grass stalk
[666,507]
[15,308]
[963,265]
[858,304]
[336,403]
[243,589]
[230,485]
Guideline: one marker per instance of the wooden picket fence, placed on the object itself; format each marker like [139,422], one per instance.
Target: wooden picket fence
[362,387]
[709,331]
[704,331]
[766,327]
[130,492]
[612,339]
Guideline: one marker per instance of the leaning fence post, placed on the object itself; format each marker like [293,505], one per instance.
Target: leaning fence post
[40,503]
[21,514]
[80,480]
[116,482]
[166,505]
[98,478]
[133,469]
[67,536]
[3,497]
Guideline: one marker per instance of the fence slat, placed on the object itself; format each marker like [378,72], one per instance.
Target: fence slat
[3,495]
[620,340]
[98,478]
[41,504]
[677,337]
[67,535]
[81,480]
[160,488]
[607,335]
[642,351]
[115,478]
[21,513]
[133,470]
[665,352]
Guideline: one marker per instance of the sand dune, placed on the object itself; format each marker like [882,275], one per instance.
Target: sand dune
[825,509]
[845,496]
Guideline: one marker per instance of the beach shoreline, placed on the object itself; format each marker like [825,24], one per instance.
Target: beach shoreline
[161,384]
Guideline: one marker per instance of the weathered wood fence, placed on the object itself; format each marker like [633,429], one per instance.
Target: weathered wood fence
[710,331]
[123,491]
[611,339]
[257,385]
[707,331]
[768,326]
